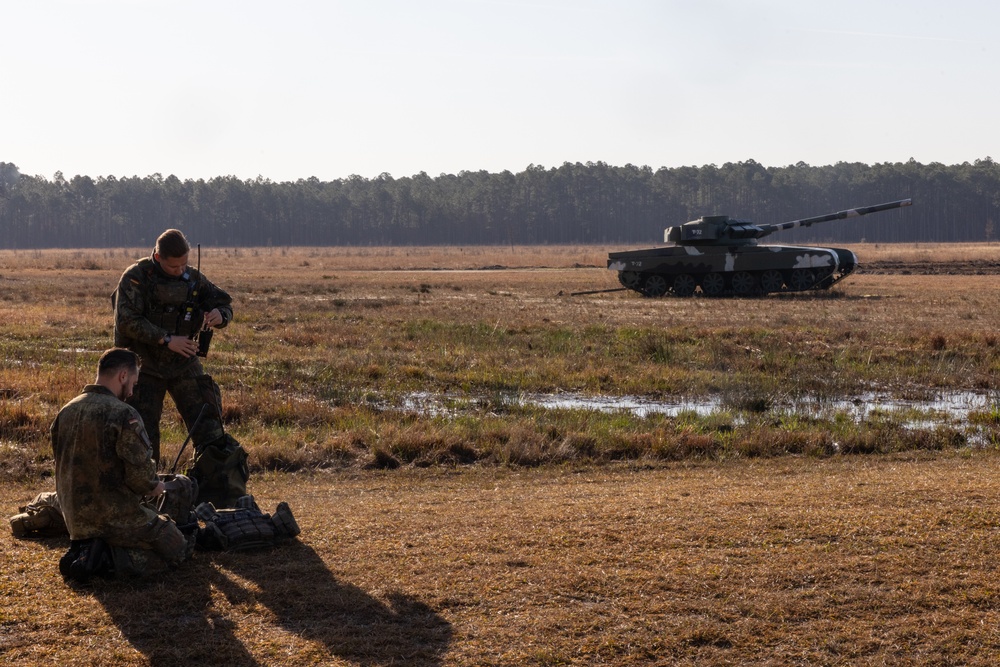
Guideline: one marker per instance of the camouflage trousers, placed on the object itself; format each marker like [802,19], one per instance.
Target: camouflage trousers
[164,545]
[161,546]
[161,539]
[163,542]
[193,395]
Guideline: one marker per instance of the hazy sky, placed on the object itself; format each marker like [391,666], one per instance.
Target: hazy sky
[330,88]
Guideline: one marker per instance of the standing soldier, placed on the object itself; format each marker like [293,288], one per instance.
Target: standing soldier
[163,310]
[104,469]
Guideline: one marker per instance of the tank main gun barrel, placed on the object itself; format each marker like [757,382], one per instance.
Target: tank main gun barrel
[765,230]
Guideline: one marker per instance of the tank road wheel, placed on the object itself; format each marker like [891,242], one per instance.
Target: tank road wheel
[801,279]
[744,283]
[713,284]
[771,281]
[824,278]
[629,279]
[656,285]
[684,285]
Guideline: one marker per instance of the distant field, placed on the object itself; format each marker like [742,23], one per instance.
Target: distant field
[497,532]
[470,257]
[321,358]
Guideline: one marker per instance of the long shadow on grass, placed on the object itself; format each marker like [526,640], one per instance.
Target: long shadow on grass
[297,587]
[185,620]
[173,621]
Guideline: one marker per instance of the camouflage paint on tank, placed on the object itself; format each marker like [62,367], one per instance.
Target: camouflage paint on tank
[720,255]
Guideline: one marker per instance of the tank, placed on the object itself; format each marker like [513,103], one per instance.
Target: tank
[720,256]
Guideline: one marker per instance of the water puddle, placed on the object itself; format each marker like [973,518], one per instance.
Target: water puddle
[451,404]
[944,408]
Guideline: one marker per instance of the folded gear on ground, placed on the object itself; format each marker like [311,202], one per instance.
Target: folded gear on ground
[244,526]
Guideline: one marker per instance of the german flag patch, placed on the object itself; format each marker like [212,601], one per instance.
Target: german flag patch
[140,430]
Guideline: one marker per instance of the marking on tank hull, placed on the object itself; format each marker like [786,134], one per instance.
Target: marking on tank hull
[815,258]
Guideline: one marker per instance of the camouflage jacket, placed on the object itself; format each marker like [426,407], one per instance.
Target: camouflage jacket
[150,304]
[104,466]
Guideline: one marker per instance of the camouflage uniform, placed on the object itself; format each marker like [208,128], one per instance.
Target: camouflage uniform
[149,304]
[104,467]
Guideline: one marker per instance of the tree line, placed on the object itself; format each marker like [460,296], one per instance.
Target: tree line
[589,202]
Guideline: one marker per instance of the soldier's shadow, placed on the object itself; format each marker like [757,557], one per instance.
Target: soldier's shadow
[301,596]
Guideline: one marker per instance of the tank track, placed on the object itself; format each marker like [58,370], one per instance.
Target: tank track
[738,283]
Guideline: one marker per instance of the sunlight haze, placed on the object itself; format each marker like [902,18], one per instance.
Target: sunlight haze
[328,89]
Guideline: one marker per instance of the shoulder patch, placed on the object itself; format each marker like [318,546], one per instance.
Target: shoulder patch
[140,430]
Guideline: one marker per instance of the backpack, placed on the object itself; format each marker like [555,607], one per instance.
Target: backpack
[221,472]
[41,518]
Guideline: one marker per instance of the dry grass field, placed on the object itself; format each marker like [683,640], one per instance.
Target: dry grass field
[790,561]
[499,533]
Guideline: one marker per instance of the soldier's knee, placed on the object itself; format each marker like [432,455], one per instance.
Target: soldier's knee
[171,544]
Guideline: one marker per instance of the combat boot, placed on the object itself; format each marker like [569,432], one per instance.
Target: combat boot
[85,559]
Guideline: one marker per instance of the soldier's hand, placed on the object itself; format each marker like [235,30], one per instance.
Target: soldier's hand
[214,318]
[158,490]
[183,346]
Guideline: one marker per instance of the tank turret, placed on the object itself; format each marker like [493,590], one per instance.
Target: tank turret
[720,255]
[723,230]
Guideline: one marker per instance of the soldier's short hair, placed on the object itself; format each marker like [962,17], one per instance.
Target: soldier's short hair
[118,359]
[172,244]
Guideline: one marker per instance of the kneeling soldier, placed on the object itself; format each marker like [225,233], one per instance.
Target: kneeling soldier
[104,470]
